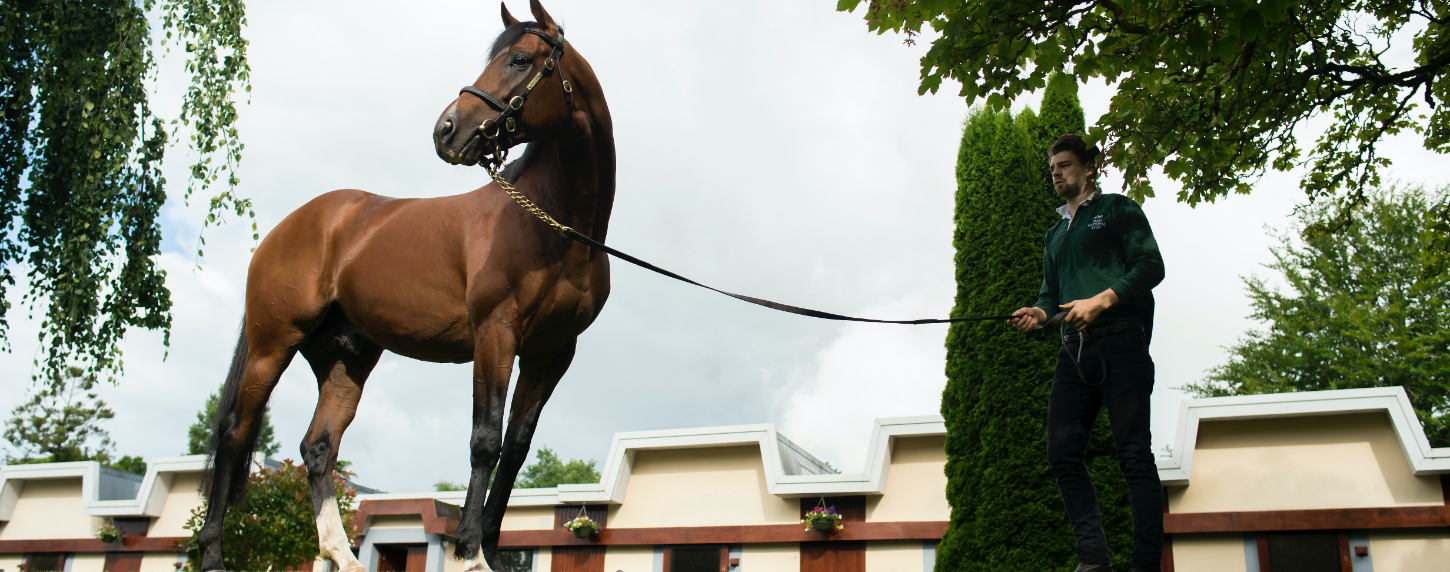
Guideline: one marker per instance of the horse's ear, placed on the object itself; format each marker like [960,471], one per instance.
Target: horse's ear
[541,16]
[508,19]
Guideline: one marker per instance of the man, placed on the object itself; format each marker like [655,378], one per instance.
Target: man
[1100,265]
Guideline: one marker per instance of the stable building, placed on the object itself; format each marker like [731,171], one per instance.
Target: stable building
[1334,480]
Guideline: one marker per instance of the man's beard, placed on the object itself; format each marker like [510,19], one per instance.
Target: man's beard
[1070,192]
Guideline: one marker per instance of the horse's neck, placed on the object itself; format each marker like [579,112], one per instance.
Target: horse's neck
[574,179]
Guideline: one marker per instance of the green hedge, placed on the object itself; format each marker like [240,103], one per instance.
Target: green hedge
[1007,514]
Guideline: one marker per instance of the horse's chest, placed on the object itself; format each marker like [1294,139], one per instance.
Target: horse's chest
[555,309]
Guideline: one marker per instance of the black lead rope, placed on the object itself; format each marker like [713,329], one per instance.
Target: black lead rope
[1056,319]
[571,233]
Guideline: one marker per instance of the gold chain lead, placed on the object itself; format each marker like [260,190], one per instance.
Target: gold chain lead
[527,204]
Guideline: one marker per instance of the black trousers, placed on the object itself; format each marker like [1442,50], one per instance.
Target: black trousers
[1072,410]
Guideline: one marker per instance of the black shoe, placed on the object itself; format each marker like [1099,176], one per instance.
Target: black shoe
[1094,568]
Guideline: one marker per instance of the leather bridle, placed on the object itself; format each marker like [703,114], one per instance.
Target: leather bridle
[500,130]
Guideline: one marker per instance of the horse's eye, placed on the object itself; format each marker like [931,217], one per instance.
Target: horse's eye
[520,61]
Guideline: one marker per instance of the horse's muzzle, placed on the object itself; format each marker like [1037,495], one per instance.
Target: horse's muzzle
[452,146]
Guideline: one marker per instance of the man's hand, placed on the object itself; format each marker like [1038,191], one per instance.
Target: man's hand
[1024,319]
[1082,313]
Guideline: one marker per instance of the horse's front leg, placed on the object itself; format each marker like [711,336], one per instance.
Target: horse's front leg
[493,359]
[537,378]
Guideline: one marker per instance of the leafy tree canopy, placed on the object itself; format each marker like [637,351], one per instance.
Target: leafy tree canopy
[129,464]
[80,157]
[198,436]
[1354,315]
[62,423]
[550,471]
[1212,91]
[274,528]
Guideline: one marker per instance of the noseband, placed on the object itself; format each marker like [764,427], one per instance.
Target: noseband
[500,130]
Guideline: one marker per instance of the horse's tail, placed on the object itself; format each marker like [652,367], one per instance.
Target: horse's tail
[225,451]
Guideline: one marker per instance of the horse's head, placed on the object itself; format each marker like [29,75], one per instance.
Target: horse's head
[523,94]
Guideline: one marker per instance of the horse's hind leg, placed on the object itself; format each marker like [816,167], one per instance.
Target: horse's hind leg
[342,359]
[257,365]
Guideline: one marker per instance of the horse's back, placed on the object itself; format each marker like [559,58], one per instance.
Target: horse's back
[378,259]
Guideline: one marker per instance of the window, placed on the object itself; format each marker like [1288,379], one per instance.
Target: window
[517,560]
[707,558]
[44,562]
[1311,552]
[402,557]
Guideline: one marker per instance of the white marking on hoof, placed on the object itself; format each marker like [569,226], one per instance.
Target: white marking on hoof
[332,539]
[476,563]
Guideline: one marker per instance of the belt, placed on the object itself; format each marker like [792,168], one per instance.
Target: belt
[1103,331]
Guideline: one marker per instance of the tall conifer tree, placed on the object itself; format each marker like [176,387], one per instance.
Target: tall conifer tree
[1007,514]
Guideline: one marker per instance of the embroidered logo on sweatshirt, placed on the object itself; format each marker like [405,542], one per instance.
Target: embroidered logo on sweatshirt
[1097,223]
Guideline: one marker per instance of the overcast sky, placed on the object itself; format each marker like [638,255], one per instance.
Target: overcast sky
[773,149]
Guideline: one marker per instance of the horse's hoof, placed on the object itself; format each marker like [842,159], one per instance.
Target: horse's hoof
[479,566]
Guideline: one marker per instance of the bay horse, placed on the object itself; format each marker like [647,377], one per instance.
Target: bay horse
[470,277]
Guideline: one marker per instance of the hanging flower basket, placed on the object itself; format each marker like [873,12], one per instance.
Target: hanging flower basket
[823,519]
[108,533]
[583,526]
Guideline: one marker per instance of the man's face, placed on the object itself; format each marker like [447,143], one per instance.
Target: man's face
[1069,175]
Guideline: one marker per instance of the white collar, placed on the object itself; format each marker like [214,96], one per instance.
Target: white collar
[1067,214]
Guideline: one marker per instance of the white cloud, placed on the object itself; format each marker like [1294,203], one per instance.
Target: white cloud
[870,371]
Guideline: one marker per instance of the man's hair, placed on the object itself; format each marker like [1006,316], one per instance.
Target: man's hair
[1074,143]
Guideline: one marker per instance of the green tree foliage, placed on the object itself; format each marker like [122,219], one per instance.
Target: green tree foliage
[1006,512]
[550,471]
[198,436]
[1211,91]
[129,464]
[80,157]
[61,422]
[274,528]
[1354,315]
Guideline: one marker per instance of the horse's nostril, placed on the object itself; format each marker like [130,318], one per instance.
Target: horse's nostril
[446,128]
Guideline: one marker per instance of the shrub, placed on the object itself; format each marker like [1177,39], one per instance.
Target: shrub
[274,528]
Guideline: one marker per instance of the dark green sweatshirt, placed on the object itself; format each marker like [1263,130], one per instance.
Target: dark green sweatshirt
[1108,244]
